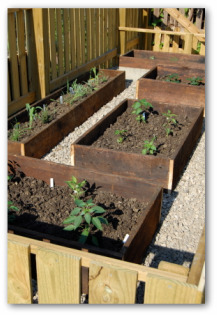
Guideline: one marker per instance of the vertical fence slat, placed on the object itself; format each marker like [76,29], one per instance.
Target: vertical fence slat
[13,56]
[40,20]
[59,42]
[122,22]
[72,37]
[157,40]
[52,43]
[176,41]
[160,290]
[58,276]
[78,37]
[82,28]
[111,285]
[22,52]
[19,274]
[188,43]
[97,33]
[66,39]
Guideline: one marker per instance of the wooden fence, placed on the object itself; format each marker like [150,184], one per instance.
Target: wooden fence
[168,30]
[47,47]
[111,281]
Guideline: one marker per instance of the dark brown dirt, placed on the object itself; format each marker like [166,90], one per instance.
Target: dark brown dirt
[43,209]
[181,79]
[55,110]
[138,132]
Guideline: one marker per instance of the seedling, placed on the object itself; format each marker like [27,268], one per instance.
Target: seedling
[122,134]
[44,115]
[195,81]
[139,111]
[170,121]
[32,114]
[149,147]
[152,57]
[11,208]
[172,78]
[84,216]
[78,188]
[17,132]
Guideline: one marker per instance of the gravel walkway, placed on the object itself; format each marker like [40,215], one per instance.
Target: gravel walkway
[183,211]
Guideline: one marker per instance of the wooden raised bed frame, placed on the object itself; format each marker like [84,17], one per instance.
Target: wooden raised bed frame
[133,250]
[162,171]
[142,59]
[40,144]
[170,92]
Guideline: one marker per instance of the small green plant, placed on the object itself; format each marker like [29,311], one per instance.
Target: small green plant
[149,147]
[11,208]
[44,115]
[172,78]
[122,134]
[78,188]
[195,81]
[32,113]
[139,111]
[85,216]
[17,132]
[152,57]
[170,121]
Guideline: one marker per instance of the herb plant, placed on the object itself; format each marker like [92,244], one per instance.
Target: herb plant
[78,188]
[139,111]
[122,134]
[195,81]
[85,216]
[149,147]
[44,115]
[170,121]
[172,78]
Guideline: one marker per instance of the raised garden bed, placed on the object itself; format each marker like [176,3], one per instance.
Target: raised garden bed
[65,117]
[132,207]
[98,149]
[181,93]
[146,59]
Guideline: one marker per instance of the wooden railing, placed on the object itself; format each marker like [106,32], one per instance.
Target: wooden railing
[111,281]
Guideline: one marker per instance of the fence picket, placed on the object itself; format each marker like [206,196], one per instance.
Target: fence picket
[111,285]
[58,277]
[19,276]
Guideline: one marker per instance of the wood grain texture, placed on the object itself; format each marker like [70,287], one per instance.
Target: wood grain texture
[142,59]
[160,290]
[58,277]
[19,273]
[111,285]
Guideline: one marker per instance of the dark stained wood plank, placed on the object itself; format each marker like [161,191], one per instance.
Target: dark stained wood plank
[144,59]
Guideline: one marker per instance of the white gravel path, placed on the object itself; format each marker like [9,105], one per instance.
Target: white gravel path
[183,211]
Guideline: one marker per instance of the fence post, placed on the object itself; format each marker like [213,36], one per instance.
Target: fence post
[122,22]
[40,22]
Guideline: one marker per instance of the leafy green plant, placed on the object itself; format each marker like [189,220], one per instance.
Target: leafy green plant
[17,132]
[158,21]
[170,121]
[149,147]
[85,216]
[78,188]
[11,208]
[123,135]
[139,111]
[195,81]
[152,57]
[32,113]
[172,78]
